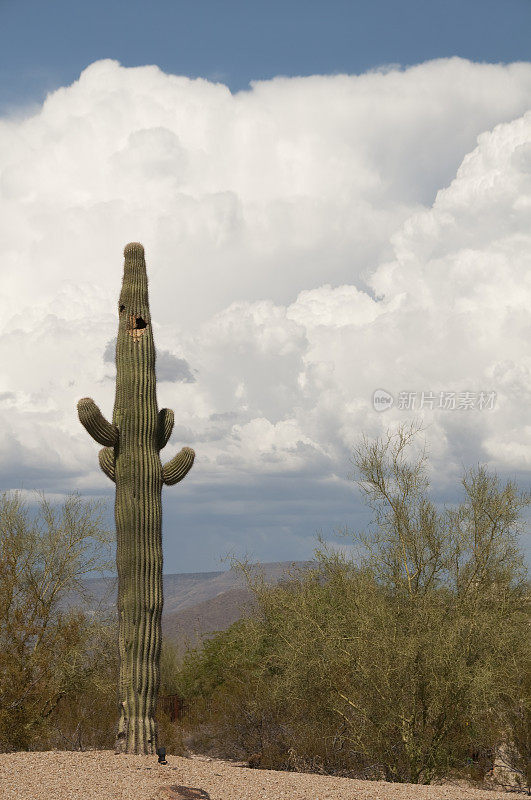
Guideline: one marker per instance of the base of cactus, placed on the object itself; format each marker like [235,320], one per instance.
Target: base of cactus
[136,735]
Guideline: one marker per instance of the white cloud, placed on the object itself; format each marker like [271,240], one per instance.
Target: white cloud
[307,242]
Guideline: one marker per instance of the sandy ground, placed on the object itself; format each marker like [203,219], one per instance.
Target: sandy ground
[102,775]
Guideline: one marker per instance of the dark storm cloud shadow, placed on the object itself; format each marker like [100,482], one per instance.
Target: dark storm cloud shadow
[267,517]
[21,470]
[466,435]
[273,519]
[277,518]
[466,452]
[169,367]
[219,428]
[465,438]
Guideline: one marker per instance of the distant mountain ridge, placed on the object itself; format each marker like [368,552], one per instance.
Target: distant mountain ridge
[195,603]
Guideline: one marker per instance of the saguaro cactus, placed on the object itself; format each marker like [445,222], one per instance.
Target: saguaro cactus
[131,459]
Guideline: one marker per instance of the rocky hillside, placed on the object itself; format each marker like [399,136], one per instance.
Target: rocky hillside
[196,604]
[189,626]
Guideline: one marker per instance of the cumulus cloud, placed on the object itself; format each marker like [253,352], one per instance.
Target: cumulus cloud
[308,241]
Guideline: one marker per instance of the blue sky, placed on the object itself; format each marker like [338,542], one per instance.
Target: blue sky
[355,219]
[47,45]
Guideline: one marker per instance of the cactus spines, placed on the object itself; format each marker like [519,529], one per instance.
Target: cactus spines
[131,459]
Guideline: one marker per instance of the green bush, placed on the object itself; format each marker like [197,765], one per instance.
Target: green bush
[41,646]
[393,667]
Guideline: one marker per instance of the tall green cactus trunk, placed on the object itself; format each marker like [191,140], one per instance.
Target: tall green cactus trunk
[131,459]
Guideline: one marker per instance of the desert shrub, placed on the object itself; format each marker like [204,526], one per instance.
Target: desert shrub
[393,667]
[514,713]
[41,645]
[85,716]
[170,733]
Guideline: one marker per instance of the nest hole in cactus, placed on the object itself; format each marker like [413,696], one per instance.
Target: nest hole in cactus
[136,326]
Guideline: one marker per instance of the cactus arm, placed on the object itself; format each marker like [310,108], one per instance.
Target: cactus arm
[93,420]
[176,469]
[106,458]
[164,426]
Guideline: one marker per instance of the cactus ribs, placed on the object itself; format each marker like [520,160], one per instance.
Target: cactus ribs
[130,458]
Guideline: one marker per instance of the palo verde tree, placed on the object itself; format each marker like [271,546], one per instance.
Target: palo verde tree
[396,664]
[130,458]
